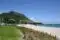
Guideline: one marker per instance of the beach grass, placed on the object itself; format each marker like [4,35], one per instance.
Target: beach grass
[30,34]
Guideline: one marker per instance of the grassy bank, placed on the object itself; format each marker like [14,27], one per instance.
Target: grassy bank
[16,33]
[10,33]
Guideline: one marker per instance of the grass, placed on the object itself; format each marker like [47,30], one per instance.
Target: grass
[10,33]
[16,33]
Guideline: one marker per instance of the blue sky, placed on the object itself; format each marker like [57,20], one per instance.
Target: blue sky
[46,11]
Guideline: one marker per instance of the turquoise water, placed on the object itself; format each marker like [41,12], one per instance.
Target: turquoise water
[51,25]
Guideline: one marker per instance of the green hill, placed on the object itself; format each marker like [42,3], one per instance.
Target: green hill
[12,17]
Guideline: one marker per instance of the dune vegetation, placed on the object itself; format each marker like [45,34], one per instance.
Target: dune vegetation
[30,34]
[21,33]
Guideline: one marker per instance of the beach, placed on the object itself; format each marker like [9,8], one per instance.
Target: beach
[50,30]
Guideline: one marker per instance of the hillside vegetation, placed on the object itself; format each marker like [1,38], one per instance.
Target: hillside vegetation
[12,17]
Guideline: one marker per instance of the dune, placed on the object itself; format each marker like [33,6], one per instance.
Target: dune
[50,30]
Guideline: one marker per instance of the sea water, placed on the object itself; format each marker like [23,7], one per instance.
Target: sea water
[51,25]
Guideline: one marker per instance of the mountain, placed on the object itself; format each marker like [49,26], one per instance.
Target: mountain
[12,17]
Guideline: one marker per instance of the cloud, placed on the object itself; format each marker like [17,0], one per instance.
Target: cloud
[34,19]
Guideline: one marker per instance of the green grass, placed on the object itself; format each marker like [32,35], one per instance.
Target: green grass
[10,33]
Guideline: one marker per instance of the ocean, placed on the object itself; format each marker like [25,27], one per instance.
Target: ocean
[51,25]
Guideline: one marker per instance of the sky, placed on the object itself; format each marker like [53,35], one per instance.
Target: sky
[45,11]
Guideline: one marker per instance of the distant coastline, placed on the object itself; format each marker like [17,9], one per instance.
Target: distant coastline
[51,25]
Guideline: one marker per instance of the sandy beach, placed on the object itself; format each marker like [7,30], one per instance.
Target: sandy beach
[50,30]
